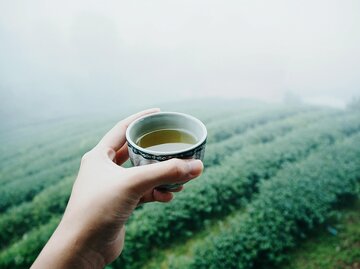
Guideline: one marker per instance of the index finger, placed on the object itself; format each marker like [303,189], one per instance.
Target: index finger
[115,138]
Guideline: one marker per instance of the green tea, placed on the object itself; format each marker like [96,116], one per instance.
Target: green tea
[166,140]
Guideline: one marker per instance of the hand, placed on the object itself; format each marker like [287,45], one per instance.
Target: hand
[92,230]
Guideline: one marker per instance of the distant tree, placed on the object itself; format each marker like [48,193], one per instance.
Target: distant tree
[292,98]
[354,104]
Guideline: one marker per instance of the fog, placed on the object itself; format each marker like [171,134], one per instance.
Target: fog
[71,57]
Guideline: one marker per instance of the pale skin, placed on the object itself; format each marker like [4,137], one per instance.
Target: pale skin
[92,231]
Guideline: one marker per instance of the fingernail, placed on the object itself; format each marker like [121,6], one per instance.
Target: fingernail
[196,166]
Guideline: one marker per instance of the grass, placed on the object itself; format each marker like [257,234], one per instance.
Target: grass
[334,247]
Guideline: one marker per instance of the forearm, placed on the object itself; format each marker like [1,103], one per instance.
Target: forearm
[67,248]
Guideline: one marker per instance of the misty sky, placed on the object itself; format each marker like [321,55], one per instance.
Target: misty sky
[68,55]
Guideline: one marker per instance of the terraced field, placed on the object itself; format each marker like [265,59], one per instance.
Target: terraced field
[272,176]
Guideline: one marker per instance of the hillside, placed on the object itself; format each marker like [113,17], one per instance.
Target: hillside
[273,175]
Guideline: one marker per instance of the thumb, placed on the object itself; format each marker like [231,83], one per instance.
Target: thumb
[149,176]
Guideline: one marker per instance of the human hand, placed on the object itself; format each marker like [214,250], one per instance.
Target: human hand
[92,230]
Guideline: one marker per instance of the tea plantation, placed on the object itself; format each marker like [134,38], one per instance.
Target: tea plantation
[275,177]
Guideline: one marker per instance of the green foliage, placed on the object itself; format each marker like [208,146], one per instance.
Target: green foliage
[62,157]
[18,220]
[245,148]
[224,188]
[264,133]
[14,227]
[299,199]
[50,143]
[230,126]
[324,250]
[23,253]
[17,192]
[40,167]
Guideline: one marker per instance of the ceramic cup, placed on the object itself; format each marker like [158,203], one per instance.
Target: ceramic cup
[165,120]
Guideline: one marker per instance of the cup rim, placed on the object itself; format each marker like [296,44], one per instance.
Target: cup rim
[165,153]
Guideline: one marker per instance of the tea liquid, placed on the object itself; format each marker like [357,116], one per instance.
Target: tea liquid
[166,140]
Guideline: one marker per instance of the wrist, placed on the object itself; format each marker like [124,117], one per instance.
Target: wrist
[68,247]
[77,245]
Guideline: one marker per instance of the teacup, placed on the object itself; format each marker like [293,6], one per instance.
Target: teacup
[165,121]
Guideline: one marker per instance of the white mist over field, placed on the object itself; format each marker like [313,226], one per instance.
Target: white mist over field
[66,57]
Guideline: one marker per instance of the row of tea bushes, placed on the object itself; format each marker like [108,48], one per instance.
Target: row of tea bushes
[48,145]
[224,188]
[18,220]
[24,252]
[25,190]
[228,127]
[262,134]
[63,161]
[22,219]
[279,199]
[299,199]
[26,249]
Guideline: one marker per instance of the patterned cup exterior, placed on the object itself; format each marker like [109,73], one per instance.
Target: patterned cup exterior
[138,157]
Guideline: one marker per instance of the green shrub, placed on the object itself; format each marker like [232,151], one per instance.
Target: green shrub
[299,199]
[61,159]
[19,220]
[24,252]
[31,214]
[228,183]
[224,188]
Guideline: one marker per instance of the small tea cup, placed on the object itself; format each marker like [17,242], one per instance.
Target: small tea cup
[165,120]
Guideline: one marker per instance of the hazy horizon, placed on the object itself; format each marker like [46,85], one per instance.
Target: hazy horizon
[87,56]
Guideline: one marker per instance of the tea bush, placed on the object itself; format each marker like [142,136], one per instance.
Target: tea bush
[250,148]
[48,146]
[25,212]
[24,252]
[221,190]
[19,220]
[228,127]
[19,192]
[63,160]
[298,199]
[266,133]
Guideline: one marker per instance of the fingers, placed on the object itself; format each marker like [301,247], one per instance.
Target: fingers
[144,178]
[159,196]
[156,196]
[115,138]
[163,197]
[122,155]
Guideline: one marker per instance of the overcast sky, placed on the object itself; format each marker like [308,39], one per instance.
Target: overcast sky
[58,55]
